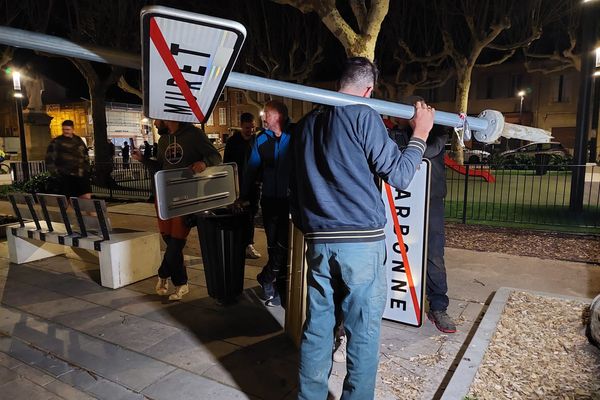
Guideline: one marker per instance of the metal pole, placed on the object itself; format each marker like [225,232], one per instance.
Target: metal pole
[24,161]
[488,127]
[588,39]
[56,45]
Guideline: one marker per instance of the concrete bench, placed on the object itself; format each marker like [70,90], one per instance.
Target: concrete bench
[125,256]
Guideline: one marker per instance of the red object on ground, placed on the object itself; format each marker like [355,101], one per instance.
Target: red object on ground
[450,163]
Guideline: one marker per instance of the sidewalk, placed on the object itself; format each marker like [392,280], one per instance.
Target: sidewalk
[64,336]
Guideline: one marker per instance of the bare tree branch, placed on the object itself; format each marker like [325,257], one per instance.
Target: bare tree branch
[501,60]
[359,8]
[127,88]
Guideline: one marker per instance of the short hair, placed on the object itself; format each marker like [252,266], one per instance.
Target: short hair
[68,122]
[280,108]
[246,117]
[359,71]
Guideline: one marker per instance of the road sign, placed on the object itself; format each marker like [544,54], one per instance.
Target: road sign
[187,58]
[182,192]
[407,212]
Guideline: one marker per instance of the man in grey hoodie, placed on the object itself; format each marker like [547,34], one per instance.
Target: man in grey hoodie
[181,145]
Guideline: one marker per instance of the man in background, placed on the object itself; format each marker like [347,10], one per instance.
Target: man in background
[181,145]
[67,159]
[237,150]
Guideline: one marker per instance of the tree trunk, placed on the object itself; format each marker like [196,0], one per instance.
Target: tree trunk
[362,48]
[102,158]
[463,85]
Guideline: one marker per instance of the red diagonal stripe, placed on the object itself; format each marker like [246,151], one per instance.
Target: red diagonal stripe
[163,49]
[411,285]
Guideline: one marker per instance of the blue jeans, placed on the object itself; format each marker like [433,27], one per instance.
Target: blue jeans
[356,270]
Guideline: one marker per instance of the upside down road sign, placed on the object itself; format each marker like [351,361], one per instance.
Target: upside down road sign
[407,212]
[186,60]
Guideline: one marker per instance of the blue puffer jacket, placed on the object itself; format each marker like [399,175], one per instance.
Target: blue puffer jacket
[270,157]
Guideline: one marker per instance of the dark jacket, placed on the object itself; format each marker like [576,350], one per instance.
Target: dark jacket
[237,150]
[68,156]
[336,154]
[183,148]
[435,152]
[270,157]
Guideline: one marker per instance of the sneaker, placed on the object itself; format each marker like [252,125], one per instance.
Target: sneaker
[162,286]
[275,301]
[339,355]
[442,321]
[180,291]
[252,253]
[268,290]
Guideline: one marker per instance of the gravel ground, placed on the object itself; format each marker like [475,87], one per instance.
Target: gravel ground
[521,242]
[539,351]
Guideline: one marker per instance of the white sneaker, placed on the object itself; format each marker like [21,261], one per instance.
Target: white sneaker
[162,286]
[180,291]
[252,253]
[339,355]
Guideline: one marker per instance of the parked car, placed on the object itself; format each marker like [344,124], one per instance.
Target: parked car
[530,150]
[473,156]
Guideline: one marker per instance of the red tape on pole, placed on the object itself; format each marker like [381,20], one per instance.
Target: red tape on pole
[411,285]
[163,49]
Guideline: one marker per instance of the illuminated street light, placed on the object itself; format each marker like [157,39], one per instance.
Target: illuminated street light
[19,104]
[521,94]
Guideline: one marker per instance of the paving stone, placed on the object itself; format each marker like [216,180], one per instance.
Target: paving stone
[23,389]
[98,387]
[35,375]
[8,361]
[17,294]
[133,332]
[113,362]
[88,319]
[20,351]
[183,385]
[60,307]
[473,311]
[7,375]
[257,371]
[189,352]
[67,391]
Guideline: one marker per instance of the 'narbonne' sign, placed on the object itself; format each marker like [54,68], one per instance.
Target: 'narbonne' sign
[406,242]
[186,60]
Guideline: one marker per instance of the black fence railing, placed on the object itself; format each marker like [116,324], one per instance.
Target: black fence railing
[522,195]
[128,181]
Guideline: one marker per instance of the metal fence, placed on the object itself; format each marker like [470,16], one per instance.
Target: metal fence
[129,181]
[521,195]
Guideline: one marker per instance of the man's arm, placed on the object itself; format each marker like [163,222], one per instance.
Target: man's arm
[210,155]
[251,171]
[393,166]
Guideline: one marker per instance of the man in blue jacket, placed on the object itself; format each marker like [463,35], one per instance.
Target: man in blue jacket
[270,157]
[337,153]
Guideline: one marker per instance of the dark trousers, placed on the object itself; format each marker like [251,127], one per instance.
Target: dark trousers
[174,232]
[172,265]
[437,285]
[252,210]
[275,214]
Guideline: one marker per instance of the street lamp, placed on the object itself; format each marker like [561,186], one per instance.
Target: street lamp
[521,94]
[19,105]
